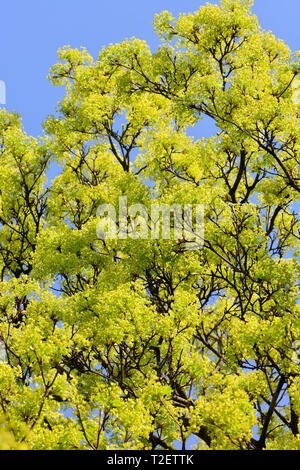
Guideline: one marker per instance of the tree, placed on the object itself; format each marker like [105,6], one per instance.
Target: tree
[129,343]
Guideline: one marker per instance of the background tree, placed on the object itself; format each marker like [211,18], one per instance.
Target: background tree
[144,344]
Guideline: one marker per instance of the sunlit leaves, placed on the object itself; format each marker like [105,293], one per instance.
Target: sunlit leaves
[138,344]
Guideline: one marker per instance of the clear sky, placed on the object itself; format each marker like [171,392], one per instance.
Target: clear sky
[32,31]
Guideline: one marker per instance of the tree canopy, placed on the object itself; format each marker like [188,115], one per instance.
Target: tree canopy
[129,343]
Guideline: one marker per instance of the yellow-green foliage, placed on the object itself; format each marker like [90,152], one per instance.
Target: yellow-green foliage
[143,344]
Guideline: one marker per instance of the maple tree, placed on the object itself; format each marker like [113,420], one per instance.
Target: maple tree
[144,344]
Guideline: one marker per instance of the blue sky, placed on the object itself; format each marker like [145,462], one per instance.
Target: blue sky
[32,31]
